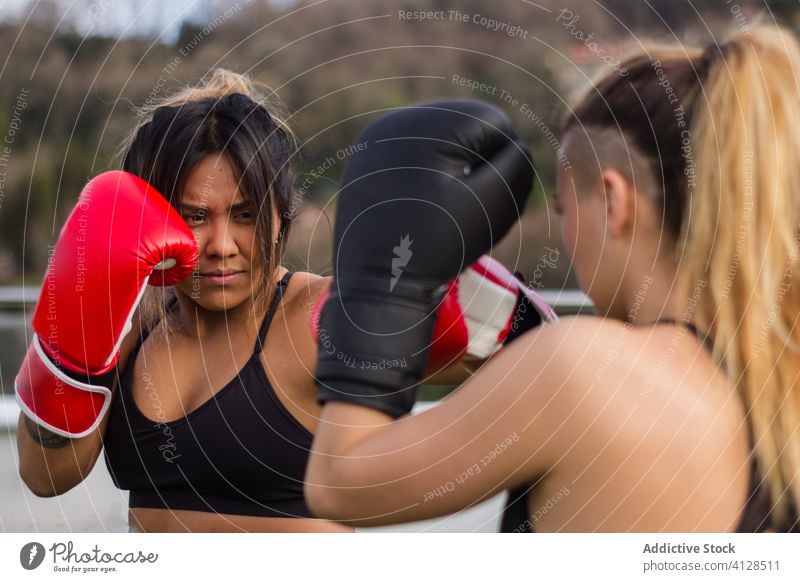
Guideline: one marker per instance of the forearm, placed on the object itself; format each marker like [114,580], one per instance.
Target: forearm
[339,479]
[368,470]
[50,464]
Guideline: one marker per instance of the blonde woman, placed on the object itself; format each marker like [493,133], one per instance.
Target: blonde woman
[676,407]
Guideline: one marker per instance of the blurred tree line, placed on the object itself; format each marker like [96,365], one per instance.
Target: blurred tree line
[67,98]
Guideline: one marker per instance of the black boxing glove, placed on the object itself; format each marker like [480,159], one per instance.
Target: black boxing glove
[428,190]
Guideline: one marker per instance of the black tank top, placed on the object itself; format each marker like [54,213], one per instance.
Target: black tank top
[241,452]
[755,518]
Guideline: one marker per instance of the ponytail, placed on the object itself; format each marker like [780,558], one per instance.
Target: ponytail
[740,238]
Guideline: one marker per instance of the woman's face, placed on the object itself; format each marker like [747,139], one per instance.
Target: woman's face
[223,222]
[598,216]
[582,223]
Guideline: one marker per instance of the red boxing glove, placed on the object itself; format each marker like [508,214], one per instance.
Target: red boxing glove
[121,235]
[482,309]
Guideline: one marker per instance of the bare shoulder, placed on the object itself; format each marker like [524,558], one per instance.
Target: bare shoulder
[660,372]
[299,311]
[566,364]
[545,382]
[568,347]
[644,411]
[303,292]
[585,331]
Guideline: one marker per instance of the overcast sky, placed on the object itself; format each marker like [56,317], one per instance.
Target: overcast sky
[124,17]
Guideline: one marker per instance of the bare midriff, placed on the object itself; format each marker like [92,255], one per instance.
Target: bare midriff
[143,519]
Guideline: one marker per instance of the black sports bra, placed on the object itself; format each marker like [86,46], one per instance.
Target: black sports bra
[241,452]
[755,518]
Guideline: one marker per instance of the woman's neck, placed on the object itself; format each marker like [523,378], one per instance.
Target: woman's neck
[196,322]
[649,296]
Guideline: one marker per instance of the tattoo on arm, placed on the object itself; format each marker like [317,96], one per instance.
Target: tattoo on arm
[44,437]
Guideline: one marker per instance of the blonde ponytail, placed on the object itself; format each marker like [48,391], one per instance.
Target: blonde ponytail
[740,237]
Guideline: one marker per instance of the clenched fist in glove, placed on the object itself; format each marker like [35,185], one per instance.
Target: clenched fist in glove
[432,187]
[120,236]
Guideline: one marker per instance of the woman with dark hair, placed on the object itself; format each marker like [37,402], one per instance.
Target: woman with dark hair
[676,408]
[211,417]
[210,423]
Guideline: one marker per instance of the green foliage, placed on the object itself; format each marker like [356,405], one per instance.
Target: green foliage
[335,65]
